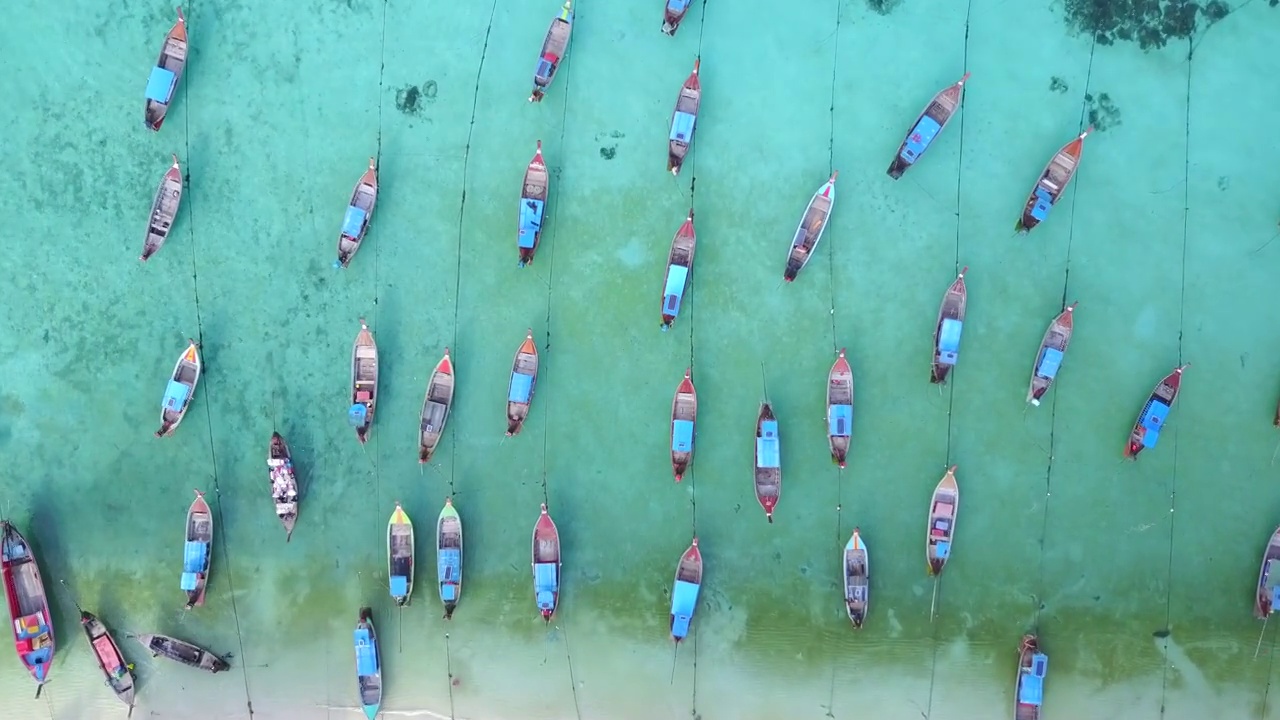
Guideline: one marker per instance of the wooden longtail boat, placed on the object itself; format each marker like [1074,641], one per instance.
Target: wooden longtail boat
[1151,421]
[546,565]
[684,413]
[1029,684]
[684,119]
[554,48]
[197,551]
[1265,601]
[117,671]
[679,267]
[931,122]
[1276,420]
[533,207]
[812,225]
[359,213]
[368,663]
[768,460]
[400,555]
[449,557]
[839,408]
[164,209]
[684,595]
[435,408]
[857,579]
[364,382]
[30,619]
[672,14]
[943,509]
[181,388]
[524,378]
[1053,348]
[181,651]
[164,77]
[1052,183]
[946,334]
[284,483]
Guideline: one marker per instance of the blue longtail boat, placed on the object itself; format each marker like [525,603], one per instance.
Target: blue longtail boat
[400,556]
[839,408]
[554,48]
[684,596]
[1268,596]
[768,471]
[1146,431]
[533,206]
[546,565]
[1053,349]
[684,119]
[30,620]
[364,383]
[165,75]
[1052,183]
[181,388]
[449,557]
[368,664]
[679,266]
[684,413]
[946,334]
[524,378]
[356,218]
[672,14]
[197,551]
[928,125]
[1032,667]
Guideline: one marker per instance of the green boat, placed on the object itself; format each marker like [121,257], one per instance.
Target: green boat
[400,556]
[449,557]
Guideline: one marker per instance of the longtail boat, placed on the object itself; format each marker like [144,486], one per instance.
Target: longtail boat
[181,651]
[117,671]
[857,579]
[1053,348]
[449,557]
[931,122]
[768,460]
[368,663]
[943,509]
[364,382]
[672,14]
[533,206]
[1052,183]
[181,388]
[946,333]
[684,595]
[164,77]
[284,483]
[1029,685]
[197,551]
[29,615]
[164,210]
[1268,595]
[359,212]
[684,118]
[679,266]
[1276,421]
[812,225]
[1151,421]
[554,48]
[524,377]
[839,408]
[684,413]
[400,556]
[546,565]
[435,407]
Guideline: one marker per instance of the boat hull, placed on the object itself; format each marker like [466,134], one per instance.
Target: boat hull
[31,622]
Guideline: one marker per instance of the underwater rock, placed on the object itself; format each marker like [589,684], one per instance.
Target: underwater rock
[1103,113]
[1150,23]
[1057,84]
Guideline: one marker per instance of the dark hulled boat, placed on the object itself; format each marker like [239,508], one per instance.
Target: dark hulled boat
[946,333]
[768,472]
[672,14]
[356,218]
[180,390]
[115,669]
[943,509]
[435,408]
[1053,348]
[368,663]
[197,551]
[684,119]
[166,74]
[684,413]
[1268,595]
[684,593]
[931,122]
[546,565]
[164,210]
[840,408]
[1151,421]
[524,377]
[181,651]
[554,47]
[29,616]
[364,383]
[533,207]
[679,267]
[1029,684]
[400,556]
[1051,184]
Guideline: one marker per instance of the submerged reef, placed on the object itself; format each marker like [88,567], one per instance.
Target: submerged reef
[1150,23]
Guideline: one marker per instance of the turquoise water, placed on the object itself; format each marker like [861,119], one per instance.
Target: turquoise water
[1162,239]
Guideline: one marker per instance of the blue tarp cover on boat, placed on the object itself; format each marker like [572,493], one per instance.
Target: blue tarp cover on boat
[841,420]
[448,569]
[366,653]
[1275,598]
[521,386]
[399,585]
[673,293]
[190,581]
[1153,420]
[545,576]
[448,592]
[919,138]
[546,600]
[160,84]
[767,451]
[175,396]
[676,6]
[949,341]
[544,68]
[357,414]
[353,221]
[682,435]
[530,222]
[193,556]
[683,601]
[1044,203]
[682,127]
[1049,363]
[943,549]
[1031,690]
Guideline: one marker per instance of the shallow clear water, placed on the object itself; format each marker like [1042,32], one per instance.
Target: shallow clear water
[1162,239]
